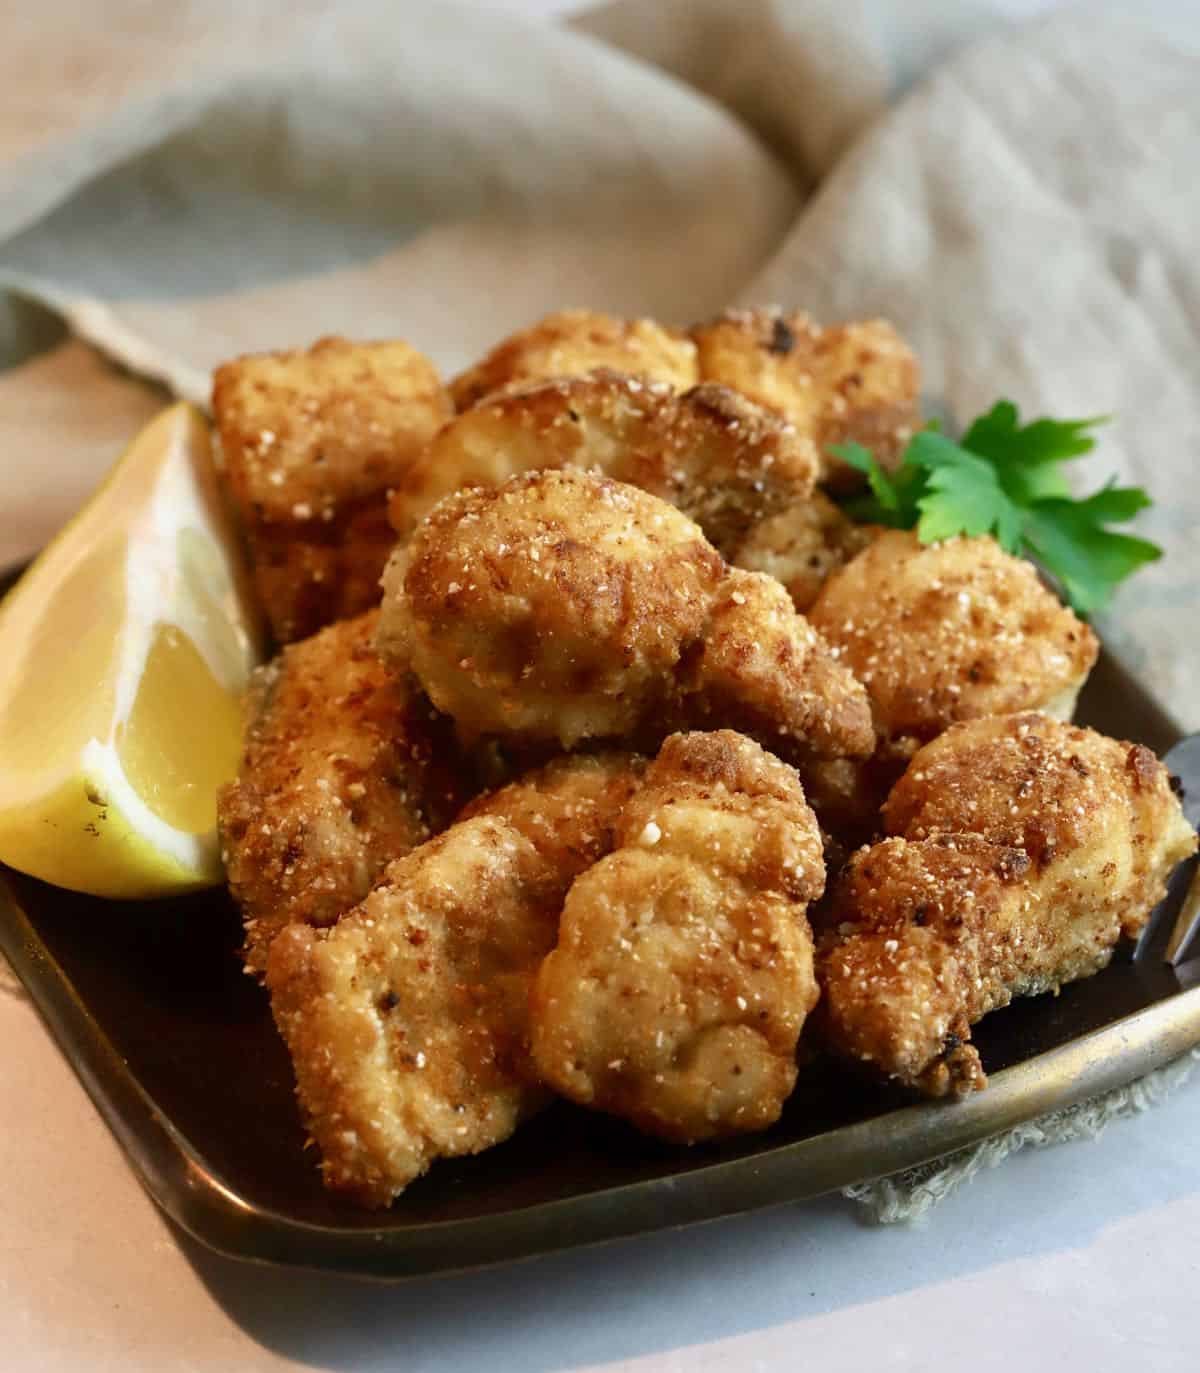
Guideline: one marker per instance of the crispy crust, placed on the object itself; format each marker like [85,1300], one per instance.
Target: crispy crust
[802,545]
[856,381]
[764,670]
[572,342]
[345,768]
[408,1022]
[568,807]
[683,971]
[950,631]
[312,441]
[925,933]
[1025,850]
[555,606]
[1095,815]
[566,606]
[719,458]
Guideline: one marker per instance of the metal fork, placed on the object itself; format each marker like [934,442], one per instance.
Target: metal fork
[1171,932]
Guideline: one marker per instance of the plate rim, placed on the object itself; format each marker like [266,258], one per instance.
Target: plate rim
[194,1195]
[200,1201]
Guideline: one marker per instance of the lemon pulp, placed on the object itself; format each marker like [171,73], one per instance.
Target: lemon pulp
[180,740]
[125,650]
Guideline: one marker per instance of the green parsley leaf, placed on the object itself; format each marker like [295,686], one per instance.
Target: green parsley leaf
[855,455]
[890,502]
[1026,457]
[963,494]
[1000,436]
[1087,560]
[1005,479]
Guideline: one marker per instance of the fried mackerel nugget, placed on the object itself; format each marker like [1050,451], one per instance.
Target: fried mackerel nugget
[937,633]
[346,766]
[1097,817]
[683,972]
[925,937]
[1025,850]
[951,631]
[802,545]
[564,606]
[857,381]
[312,441]
[573,342]
[801,548]
[567,808]
[722,460]
[408,1023]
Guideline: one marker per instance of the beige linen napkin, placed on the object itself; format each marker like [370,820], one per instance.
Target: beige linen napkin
[182,181]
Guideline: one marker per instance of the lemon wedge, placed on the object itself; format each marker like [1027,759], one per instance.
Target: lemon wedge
[125,650]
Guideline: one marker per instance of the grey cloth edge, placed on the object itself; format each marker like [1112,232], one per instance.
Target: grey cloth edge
[909,1196]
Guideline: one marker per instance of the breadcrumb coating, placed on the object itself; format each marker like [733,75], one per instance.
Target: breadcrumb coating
[928,936]
[802,545]
[951,631]
[857,381]
[722,460]
[572,342]
[408,1023]
[764,670]
[312,441]
[1025,850]
[567,808]
[683,972]
[1099,813]
[345,767]
[610,536]
[565,606]
[554,606]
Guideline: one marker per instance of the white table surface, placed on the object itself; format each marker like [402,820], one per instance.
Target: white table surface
[1082,1256]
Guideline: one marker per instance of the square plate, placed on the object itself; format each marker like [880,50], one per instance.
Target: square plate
[176,1048]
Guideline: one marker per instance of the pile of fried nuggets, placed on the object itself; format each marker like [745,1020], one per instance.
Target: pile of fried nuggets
[649,760]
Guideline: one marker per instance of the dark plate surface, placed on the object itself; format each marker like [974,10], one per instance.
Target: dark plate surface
[176,1047]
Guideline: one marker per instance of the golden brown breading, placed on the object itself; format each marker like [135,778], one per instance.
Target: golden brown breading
[554,606]
[1028,849]
[568,807]
[573,342]
[345,768]
[802,545]
[951,631]
[408,1023]
[719,458]
[683,972]
[764,670]
[928,936]
[1096,815]
[313,441]
[855,382]
[565,606]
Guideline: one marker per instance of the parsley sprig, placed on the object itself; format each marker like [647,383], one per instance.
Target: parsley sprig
[1006,479]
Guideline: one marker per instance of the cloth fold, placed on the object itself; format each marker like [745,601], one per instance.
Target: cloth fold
[910,1196]
[190,179]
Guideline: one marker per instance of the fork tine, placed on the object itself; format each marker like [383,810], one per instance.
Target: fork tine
[1175,920]
[1187,922]
[1183,761]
